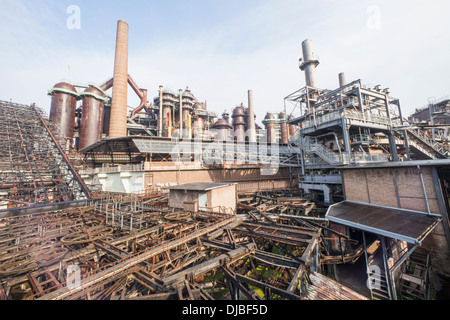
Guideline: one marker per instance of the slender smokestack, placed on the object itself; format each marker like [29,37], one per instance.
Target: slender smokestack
[251,118]
[160,114]
[118,122]
[342,81]
[309,63]
[180,92]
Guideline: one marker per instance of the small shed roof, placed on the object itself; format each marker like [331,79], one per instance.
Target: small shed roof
[201,186]
[406,225]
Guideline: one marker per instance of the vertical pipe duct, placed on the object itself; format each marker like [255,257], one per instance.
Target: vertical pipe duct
[309,63]
[342,81]
[160,114]
[283,128]
[118,122]
[251,118]
[180,96]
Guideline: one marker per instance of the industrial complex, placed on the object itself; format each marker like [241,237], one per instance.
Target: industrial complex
[337,195]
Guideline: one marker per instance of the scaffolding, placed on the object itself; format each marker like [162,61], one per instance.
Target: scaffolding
[33,167]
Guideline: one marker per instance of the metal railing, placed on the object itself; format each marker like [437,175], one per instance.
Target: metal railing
[339,159]
[349,114]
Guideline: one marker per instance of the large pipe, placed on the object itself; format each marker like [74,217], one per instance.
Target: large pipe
[118,122]
[180,92]
[309,63]
[251,118]
[107,85]
[141,93]
[342,81]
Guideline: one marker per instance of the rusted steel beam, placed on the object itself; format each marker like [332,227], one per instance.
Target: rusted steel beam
[209,265]
[38,290]
[231,276]
[283,293]
[131,262]
[2,293]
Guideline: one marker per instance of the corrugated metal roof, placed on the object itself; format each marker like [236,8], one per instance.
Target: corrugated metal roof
[324,288]
[406,225]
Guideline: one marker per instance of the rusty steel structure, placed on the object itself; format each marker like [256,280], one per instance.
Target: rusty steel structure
[91,127]
[134,247]
[33,166]
[63,107]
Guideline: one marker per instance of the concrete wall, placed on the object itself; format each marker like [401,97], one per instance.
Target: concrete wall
[178,197]
[126,182]
[217,198]
[165,178]
[223,197]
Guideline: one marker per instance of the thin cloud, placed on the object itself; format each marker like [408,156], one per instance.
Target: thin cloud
[256,48]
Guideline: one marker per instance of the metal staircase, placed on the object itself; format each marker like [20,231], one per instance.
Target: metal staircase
[377,273]
[424,144]
[415,276]
[321,151]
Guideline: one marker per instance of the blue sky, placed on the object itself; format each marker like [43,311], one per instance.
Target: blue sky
[220,49]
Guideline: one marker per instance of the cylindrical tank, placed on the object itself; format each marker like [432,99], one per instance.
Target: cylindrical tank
[199,122]
[239,123]
[63,108]
[293,129]
[118,123]
[167,122]
[185,123]
[270,128]
[283,128]
[198,127]
[91,127]
[223,128]
[106,118]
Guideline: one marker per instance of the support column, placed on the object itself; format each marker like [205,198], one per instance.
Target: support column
[346,138]
[441,201]
[180,135]
[392,146]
